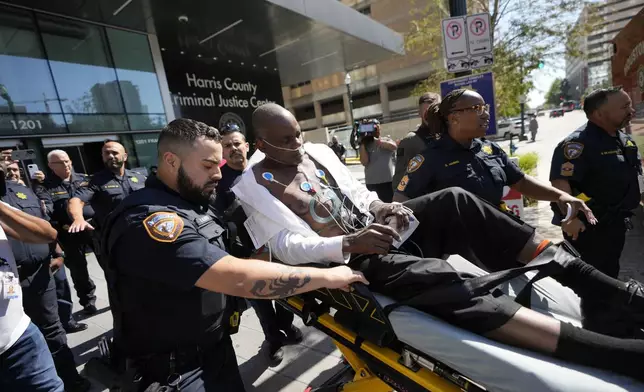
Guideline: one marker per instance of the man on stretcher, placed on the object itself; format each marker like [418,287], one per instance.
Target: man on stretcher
[306,207]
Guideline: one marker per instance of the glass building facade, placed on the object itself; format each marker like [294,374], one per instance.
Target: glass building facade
[65,77]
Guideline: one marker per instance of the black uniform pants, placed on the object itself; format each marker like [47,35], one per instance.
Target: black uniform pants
[215,370]
[601,245]
[273,318]
[40,303]
[75,246]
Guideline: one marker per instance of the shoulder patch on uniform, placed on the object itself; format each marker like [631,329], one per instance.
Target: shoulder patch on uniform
[573,150]
[402,185]
[567,169]
[487,149]
[163,226]
[415,163]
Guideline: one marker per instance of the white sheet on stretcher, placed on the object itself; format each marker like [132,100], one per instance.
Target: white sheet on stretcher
[499,367]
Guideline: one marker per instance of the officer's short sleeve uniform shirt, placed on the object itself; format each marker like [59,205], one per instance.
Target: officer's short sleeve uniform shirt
[56,192]
[602,167]
[29,256]
[483,169]
[164,247]
[106,190]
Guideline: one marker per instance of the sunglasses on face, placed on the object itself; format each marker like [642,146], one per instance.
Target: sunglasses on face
[478,109]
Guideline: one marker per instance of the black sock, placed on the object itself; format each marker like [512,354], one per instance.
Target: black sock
[624,356]
[590,283]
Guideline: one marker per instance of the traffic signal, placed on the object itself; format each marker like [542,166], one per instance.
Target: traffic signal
[561,98]
[541,65]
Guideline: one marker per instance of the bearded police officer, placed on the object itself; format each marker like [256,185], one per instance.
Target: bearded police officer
[600,164]
[174,278]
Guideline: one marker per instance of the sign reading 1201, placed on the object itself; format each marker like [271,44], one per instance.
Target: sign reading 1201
[24,125]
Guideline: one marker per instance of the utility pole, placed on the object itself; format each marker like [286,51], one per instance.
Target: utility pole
[459,8]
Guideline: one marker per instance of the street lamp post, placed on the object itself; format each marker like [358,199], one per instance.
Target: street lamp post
[347,82]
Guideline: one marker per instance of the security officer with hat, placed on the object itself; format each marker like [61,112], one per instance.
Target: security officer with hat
[39,290]
[55,191]
[601,164]
[174,279]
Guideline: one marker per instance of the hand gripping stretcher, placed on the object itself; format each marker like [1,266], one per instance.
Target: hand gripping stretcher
[413,351]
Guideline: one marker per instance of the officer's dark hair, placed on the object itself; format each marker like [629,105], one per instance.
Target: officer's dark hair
[597,98]
[429,97]
[182,133]
[436,114]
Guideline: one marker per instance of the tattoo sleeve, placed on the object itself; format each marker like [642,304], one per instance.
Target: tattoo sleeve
[288,282]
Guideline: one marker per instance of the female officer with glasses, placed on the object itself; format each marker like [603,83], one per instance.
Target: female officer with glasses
[461,157]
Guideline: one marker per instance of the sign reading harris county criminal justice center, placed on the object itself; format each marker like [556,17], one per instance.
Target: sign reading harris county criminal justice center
[220,94]
[213,99]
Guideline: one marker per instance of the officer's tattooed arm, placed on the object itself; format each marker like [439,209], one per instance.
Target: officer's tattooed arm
[264,280]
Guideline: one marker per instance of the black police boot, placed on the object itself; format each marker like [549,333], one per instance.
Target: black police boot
[276,352]
[74,326]
[588,282]
[293,335]
[90,310]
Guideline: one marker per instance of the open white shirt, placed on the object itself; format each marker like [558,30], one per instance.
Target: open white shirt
[13,320]
[290,238]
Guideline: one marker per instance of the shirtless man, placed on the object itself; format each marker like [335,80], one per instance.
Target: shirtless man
[308,208]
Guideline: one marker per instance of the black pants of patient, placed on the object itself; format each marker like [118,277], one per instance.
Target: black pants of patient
[454,221]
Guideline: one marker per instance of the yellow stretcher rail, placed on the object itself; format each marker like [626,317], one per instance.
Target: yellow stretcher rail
[365,380]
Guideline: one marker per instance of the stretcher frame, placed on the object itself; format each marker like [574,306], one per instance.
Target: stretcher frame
[376,360]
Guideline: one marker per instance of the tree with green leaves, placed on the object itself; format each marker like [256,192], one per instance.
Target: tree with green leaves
[525,33]
[553,96]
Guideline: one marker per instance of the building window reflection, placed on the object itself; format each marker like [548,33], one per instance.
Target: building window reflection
[28,100]
[137,79]
[84,74]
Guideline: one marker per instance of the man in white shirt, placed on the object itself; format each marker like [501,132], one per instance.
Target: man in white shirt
[27,364]
[307,208]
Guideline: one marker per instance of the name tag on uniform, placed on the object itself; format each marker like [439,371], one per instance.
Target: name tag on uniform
[10,286]
[640,180]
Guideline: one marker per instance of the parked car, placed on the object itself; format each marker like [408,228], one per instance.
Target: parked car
[507,128]
[557,113]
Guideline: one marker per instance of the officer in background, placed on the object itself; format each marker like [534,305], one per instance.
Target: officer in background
[600,163]
[105,190]
[36,280]
[415,141]
[460,157]
[175,280]
[55,191]
[276,321]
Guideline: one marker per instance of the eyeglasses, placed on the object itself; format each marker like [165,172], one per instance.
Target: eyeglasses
[479,109]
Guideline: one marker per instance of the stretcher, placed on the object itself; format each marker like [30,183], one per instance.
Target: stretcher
[412,351]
